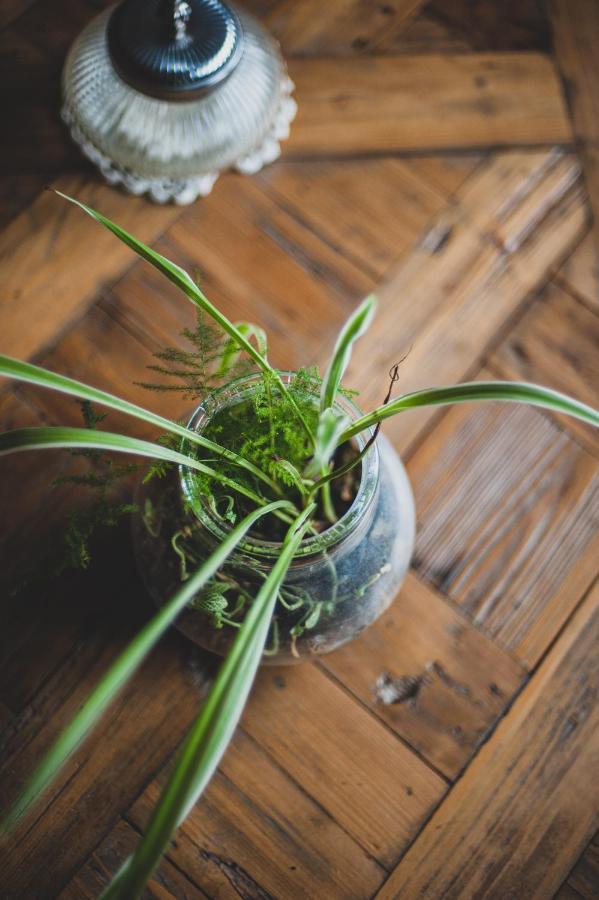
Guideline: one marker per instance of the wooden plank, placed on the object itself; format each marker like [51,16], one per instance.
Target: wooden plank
[370,783]
[446,174]
[432,677]
[580,273]
[437,101]
[32,53]
[472,267]
[17,192]
[583,880]
[12,9]
[513,824]
[256,833]
[371,210]
[425,33]
[511,25]
[507,508]
[94,876]
[340,26]
[262,265]
[576,37]
[109,771]
[55,260]
[555,343]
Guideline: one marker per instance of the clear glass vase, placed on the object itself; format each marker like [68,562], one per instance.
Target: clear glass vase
[339,582]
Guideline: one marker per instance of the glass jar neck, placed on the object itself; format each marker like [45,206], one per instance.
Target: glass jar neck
[266,552]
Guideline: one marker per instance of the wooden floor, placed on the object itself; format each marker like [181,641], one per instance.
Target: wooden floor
[437,159]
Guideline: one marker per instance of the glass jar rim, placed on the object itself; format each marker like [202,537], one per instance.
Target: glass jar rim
[235,391]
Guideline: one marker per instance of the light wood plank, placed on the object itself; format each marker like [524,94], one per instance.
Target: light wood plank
[514,824]
[55,260]
[508,509]
[580,273]
[374,104]
[472,267]
[256,832]
[361,774]
[556,343]
[576,38]
[371,211]
[448,683]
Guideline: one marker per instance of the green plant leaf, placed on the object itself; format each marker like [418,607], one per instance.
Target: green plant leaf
[209,736]
[331,425]
[232,350]
[510,391]
[53,437]
[355,326]
[125,665]
[27,372]
[184,281]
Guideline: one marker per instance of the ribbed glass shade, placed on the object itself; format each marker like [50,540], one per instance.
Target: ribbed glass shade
[175,149]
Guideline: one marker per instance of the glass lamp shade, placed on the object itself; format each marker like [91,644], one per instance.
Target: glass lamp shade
[164,124]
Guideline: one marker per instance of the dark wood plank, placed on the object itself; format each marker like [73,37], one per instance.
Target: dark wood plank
[92,879]
[507,507]
[576,37]
[134,739]
[511,25]
[340,26]
[514,824]
[556,343]
[435,680]
[32,53]
[424,102]
[256,833]
[12,9]
[584,877]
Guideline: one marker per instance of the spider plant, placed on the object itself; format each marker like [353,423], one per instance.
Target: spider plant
[293,490]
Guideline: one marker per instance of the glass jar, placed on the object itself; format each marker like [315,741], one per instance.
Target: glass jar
[150,134]
[339,582]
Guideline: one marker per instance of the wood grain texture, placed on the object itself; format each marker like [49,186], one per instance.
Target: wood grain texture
[168,883]
[340,26]
[372,209]
[257,833]
[556,343]
[576,38]
[370,104]
[512,826]
[111,768]
[371,784]
[583,880]
[452,682]
[484,25]
[508,509]
[580,273]
[55,259]
[325,787]
[470,269]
